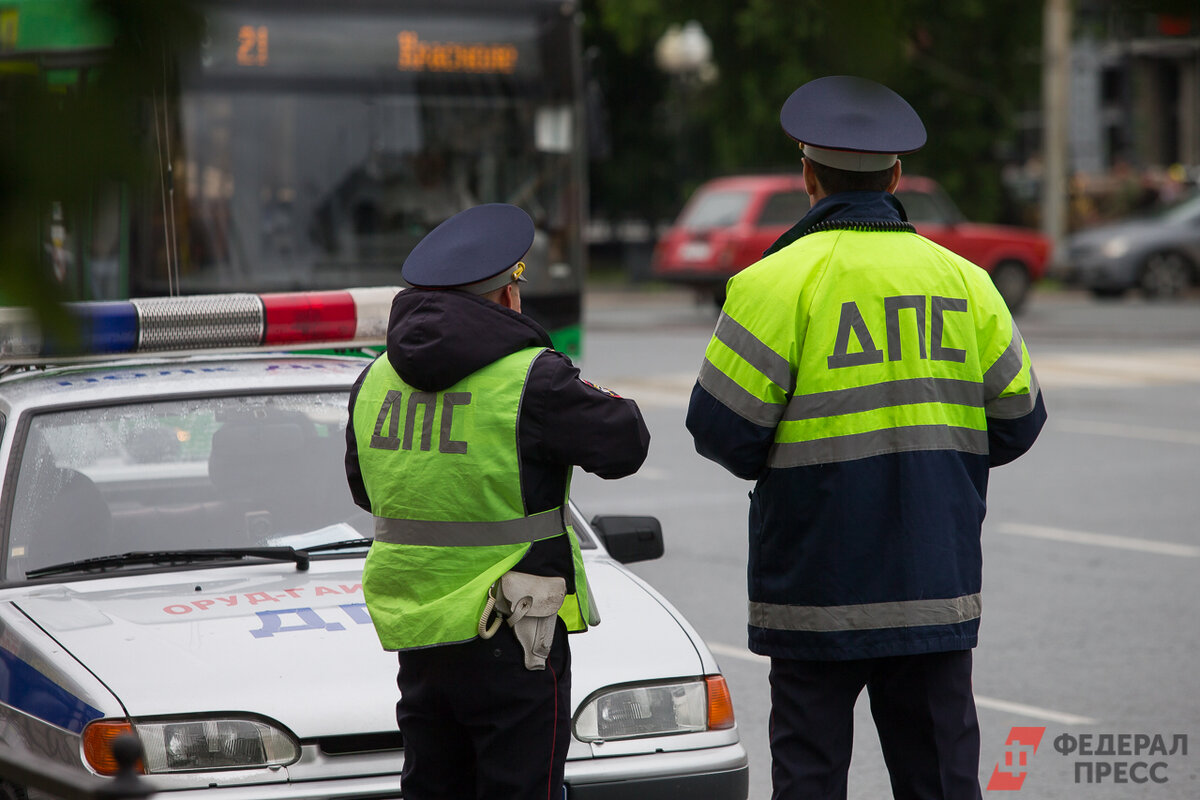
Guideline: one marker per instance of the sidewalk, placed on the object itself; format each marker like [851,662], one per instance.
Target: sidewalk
[614,306]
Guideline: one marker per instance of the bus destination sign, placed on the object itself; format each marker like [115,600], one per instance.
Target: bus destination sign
[315,45]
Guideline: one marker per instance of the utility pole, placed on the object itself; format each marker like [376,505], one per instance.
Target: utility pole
[1056,71]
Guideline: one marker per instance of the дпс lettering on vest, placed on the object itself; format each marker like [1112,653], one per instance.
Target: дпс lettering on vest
[392,407]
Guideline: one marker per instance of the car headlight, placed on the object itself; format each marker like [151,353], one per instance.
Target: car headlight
[193,745]
[658,709]
[1116,247]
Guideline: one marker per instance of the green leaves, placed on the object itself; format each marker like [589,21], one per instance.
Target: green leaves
[71,125]
[967,67]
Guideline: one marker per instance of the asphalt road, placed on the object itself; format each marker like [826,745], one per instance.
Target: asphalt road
[1091,545]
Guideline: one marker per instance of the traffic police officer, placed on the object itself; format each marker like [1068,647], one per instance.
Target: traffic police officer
[867,380]
[461,442]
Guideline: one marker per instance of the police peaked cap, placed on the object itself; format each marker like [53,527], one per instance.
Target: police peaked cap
[851,123]
[476,250]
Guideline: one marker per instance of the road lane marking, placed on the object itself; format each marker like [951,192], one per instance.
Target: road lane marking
[671,390]
[740,653]
[1144,432]
[1021,709]
[1123,369]
[1100,540]
[1036,712]
[1141,367]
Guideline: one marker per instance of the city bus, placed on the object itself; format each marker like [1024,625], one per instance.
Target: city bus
[310,145]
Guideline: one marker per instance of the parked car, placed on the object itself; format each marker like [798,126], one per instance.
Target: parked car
[182,563]
[1158,255]
[728,223]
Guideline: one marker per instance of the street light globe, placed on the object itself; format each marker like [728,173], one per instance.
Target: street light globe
[683,50]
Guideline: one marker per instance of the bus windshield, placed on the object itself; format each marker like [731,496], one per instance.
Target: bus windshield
[292,190]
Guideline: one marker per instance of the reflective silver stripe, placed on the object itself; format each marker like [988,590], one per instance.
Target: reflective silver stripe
[1014,406]
[833,449]
[469,534]
[727,391]
[1008,366]
[757,354]
[868,616]
[883,395]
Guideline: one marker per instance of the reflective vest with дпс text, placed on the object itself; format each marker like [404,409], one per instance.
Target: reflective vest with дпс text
[443,475]
[877,362]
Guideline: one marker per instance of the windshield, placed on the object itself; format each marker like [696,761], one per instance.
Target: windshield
[716,209]
[288,191]
[1185,212]
[246,471]
[934,206]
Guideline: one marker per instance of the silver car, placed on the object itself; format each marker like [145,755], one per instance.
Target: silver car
[1159,255]
[182,562]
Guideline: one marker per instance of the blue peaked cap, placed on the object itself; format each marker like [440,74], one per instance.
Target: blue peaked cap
[476,244]
[852,115]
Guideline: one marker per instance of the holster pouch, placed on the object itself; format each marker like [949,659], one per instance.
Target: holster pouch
[530,604]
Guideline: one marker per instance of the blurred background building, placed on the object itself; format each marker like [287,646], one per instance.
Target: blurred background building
[1133,114]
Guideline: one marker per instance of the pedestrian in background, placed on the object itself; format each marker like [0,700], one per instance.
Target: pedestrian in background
[461,443]
[867,380]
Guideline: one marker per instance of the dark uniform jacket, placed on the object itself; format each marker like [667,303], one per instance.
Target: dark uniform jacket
[436,338]
[871,549]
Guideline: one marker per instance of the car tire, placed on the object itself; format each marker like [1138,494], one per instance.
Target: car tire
[1164,275]
[1013,282]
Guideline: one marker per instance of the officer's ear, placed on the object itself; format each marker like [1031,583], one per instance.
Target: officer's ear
[895,177]
[510,297]
[811,184]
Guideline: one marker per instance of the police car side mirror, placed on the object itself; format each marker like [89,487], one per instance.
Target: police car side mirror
[630,539]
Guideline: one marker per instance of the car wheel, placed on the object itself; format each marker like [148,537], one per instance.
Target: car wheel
[1012,281]
[1165,275]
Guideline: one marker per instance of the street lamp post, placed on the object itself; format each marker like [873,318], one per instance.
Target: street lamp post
[684,53]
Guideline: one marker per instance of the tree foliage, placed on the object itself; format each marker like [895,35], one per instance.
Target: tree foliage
[968,68]
[60,140]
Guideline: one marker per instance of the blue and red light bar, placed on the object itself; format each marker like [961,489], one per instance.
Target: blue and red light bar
[344,319]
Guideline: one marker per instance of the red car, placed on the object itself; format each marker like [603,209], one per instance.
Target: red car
[729,222]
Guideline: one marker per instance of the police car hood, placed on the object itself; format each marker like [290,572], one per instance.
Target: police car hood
[299,647]
[437,338]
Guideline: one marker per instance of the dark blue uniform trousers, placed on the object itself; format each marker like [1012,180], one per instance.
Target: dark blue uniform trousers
[923,708]
[477,724]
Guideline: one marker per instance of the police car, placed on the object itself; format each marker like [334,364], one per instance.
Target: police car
[182,562]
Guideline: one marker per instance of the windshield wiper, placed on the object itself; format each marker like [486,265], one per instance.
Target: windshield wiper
[345,544]
[174,557]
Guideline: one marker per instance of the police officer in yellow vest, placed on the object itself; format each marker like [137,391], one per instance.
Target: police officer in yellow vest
[867,380]
[461,442]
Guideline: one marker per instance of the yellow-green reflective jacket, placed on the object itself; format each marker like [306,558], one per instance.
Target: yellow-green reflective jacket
[442,473]
[866,380]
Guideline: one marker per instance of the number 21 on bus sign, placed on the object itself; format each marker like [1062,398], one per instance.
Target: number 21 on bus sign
[252,46]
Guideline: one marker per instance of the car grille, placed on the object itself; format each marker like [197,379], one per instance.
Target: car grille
[360,743]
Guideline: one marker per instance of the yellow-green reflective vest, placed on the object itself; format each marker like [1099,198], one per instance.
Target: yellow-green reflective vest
[859,365]
[443,475]
[851,345]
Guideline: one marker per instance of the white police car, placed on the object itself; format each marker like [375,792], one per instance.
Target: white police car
[182,561]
